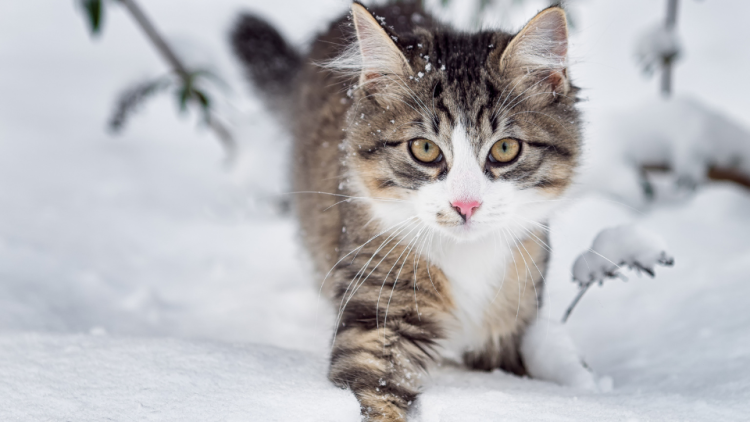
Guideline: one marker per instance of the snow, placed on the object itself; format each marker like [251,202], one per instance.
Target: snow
[142,280]
[680,133]
[81,378]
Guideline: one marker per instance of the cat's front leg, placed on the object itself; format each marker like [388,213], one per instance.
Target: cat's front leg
[550,354]
[392,309]
[382,366]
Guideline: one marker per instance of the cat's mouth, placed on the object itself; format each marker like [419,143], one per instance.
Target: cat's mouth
[463,229]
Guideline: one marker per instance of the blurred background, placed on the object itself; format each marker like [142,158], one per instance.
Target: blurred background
[138,201]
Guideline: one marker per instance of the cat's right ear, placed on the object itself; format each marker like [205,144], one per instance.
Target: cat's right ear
[383,64]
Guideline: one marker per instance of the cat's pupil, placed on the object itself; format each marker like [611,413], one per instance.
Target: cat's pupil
[505,147]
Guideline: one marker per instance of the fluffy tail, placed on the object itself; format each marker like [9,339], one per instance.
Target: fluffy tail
[270,62]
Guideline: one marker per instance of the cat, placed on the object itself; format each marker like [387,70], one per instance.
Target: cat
[426,163]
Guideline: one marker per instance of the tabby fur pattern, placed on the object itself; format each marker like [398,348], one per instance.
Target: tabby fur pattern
[414,278]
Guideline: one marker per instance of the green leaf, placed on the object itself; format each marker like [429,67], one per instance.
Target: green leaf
[202,99]
[183,95]
[94,13]
[189,92]
[204,102]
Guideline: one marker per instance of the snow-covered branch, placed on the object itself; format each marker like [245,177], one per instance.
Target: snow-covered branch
[622,246]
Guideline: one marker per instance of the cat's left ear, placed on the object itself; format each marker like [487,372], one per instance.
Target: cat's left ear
[539,52]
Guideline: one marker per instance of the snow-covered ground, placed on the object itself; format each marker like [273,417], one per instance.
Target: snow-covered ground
[141,280]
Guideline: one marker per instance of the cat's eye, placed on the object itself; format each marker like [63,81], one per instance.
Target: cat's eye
[505,150]
[425,151]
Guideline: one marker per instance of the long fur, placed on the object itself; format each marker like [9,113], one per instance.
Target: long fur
[412,282]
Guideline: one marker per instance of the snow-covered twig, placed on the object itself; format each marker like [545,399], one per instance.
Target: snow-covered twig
[614,248]
[660,47]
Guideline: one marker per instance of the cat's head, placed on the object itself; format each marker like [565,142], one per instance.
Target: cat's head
[470,134]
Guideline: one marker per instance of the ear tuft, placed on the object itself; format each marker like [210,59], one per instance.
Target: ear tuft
[379,54]
[540,50]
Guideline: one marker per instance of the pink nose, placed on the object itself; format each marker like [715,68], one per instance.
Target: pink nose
[466,208]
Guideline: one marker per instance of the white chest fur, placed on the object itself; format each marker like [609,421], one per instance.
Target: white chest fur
[476,274]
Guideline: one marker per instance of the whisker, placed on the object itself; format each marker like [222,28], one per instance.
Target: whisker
[358,276]
[528,271]
[505,271]
[354,250]
[587,249]
[432,236]
[413,95]
[541,274]
[415,267]
[515,265]
[345,196]
[377,304]
[342,306]
[388,306]
[540,242]
[503,109]
[558,121]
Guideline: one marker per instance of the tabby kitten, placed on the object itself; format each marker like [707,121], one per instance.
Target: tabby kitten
[427,161]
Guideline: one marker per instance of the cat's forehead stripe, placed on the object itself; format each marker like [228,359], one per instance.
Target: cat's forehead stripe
[464,55]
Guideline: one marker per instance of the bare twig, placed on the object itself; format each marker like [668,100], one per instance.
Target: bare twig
[220,130]
[666,75]
[578,297]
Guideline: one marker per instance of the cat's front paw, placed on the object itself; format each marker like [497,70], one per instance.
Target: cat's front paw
[550,354]
[377,407]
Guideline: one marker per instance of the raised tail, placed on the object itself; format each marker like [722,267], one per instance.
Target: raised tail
[270,62]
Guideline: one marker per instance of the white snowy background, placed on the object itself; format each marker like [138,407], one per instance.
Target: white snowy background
[140,279]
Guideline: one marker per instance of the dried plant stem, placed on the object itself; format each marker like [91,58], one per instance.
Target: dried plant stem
[666,75]
[578,297]
[219,129]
